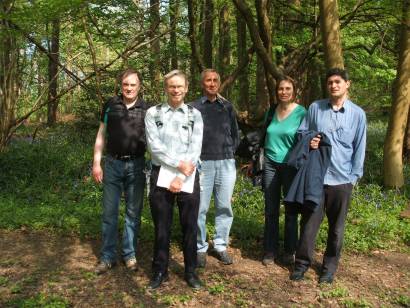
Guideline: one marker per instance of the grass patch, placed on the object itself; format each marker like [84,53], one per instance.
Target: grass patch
[3,281]
[40,300]
[336,292]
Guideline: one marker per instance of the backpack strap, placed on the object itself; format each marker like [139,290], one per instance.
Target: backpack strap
[191,116]
[158,115]
[106,117]
[269,119]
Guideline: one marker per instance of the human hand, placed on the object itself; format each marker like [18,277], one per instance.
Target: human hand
[186,167]
[314,143]
[175,185]
[97,173]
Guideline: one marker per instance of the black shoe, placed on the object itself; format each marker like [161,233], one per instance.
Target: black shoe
[193,280]
[224,257]
[200,259]
[298,274]
[326,277]
[288,259]
[157,280]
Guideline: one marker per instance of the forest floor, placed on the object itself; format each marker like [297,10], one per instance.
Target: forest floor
[45,269]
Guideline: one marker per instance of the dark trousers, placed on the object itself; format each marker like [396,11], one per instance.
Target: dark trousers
[278,177]
[161,202]
[335,204]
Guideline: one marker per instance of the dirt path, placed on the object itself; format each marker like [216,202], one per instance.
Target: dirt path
[42,268]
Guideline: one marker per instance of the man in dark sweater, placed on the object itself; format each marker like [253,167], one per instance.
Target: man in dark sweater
[218,171]
[122,133]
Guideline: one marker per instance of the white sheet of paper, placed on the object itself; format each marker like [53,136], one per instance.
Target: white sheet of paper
[167,174]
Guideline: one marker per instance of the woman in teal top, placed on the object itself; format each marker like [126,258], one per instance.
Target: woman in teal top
[277,176]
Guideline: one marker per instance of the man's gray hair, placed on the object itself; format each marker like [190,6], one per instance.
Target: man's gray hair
[210,70]
[174,73]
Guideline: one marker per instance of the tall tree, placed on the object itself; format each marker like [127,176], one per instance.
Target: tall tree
[263,11]
[208,24]
[330,28]
[9,76]
[155,49]
[54,50]
[407,141]
[197,64]
[243,80]
[262,52]
[224,51]
[93,53]
[393,145]
[260,34]
[173,14]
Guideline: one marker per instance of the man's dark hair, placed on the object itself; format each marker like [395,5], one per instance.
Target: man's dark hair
[126,73]
[338,72]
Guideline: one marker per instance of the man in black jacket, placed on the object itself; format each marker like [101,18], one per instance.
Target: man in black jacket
[122,133]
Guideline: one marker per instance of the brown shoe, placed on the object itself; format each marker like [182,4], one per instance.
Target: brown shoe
[224,257]
[103,266]
[131,264]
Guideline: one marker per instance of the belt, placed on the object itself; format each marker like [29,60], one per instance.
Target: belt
[124,157]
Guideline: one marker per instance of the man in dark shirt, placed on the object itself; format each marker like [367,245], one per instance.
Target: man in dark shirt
[122,133]
[218,171]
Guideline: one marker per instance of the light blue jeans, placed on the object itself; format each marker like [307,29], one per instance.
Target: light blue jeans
[217,177]
[121,176]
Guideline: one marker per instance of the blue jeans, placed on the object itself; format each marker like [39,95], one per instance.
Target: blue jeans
[278,176]
[217,177]
[121,176]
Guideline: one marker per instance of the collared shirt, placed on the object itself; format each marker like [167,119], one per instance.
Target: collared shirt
[174,139]
[346,129]
[221,133]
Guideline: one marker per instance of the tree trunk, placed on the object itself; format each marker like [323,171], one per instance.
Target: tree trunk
[243,97]
[224,58]
[54,50]
[263,10]
[313,87]
[269,65]
[330,28]
[173,13]
[406,150]
[8,75]
[197,64]
[208,24]
[94,60]
[155,50]
[393,145]
[262,93]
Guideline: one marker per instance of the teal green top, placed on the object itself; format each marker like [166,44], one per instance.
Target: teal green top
[281,135]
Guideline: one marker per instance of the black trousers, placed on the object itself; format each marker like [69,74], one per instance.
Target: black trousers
[162,204]
[335,204]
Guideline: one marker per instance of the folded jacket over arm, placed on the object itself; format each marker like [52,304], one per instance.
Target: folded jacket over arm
[312,164]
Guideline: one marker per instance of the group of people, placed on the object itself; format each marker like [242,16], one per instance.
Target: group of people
[192,148]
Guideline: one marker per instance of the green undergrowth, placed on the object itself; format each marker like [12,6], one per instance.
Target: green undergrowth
[45,184]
